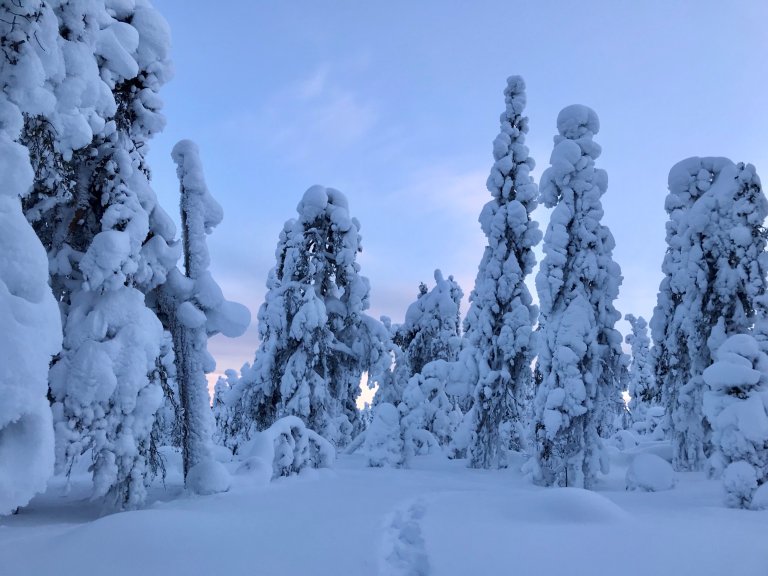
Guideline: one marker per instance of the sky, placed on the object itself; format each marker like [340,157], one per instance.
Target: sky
[396,104]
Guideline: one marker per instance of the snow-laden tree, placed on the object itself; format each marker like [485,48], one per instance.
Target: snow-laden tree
[736,406]
[580,357]
[316,340]
[195,309]
[642,388]
[116,245]
[432,329]
[499,323]
[393,376]
[715,272]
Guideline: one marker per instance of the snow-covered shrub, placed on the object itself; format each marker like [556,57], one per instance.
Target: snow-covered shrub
[30,336]
[427,408]
[383,445]
[290,447]
[580,359]
[499,323]
[715,274]
[431,330]
[736,406]
[650,473]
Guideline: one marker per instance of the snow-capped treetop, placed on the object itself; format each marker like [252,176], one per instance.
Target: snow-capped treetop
[577,121]
[200,210]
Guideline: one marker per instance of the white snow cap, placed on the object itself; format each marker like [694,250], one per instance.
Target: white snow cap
[577,120]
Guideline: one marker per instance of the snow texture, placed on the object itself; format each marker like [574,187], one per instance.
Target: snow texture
[499,323]
[715,274]
[580,359]
[31,335]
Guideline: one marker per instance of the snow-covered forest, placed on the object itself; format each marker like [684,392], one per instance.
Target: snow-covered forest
[524,425]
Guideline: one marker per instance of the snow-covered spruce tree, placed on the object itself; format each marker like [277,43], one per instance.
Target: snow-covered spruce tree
[316,340]
[736,406]
[580,358]
[715,273]
[107,382]
[195,309]
[642,387]
[31,325]
[499,324]
[393,377]
[432,329]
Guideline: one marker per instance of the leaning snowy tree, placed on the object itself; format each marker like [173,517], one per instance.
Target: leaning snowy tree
[194,309]
[580,357]
[715,275]
[316,340]
[499,323]
[31,324]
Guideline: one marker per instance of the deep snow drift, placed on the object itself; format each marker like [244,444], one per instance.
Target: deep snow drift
[438,518]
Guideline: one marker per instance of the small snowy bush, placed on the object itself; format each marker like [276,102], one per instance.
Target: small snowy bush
[736,406]
[650,473]
[291,447]
[383,440]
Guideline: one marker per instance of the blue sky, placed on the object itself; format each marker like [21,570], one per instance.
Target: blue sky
[396,104]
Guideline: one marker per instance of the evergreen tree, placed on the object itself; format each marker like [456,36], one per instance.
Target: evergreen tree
[642,387]
[316,340]
[580,358]
[112,244]
[715,274]
[499,324]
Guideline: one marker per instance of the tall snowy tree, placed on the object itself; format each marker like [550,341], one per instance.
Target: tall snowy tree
[715,274]
[499,324]
[642,387]
[316,340]
[195,309]
[31,325]
[116,246]
[580,358]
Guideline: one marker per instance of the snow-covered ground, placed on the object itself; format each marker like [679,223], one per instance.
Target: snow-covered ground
[438,518]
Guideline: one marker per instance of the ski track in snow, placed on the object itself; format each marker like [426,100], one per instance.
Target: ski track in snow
[403,552]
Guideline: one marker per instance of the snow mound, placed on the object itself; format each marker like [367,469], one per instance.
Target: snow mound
[624,440]
[208,477]
[760,498]
[650,473]
[569,506]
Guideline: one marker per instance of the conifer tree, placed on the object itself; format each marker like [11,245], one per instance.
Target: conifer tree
[642,388]
[499,324]
[715,275]
[580,358]
[316,340]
